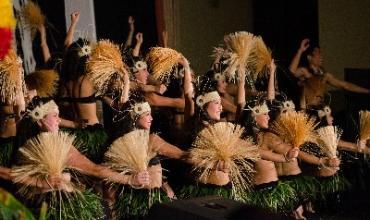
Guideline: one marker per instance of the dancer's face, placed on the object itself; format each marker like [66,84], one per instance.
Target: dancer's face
[315,58]
[214,109]
[329,119]
[221,86]
[262,120]
[142,76]
[145,121]
[50,123]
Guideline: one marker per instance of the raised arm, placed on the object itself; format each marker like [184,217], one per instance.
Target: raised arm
[346,85]
[72,28]
[228,105]
[188,89]
[126,89]
[131,25]
[44,45]
[165,38]
[139,42]
[271,84]
[293,67]
[241,93]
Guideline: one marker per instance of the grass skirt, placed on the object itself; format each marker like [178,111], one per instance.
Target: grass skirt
[333,184]
[305,187]
[135,203]
[70,206]
[277,196]
[91,141]
[6,151]
[199,190]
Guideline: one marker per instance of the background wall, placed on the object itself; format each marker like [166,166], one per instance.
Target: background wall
[201,25]
[344,31]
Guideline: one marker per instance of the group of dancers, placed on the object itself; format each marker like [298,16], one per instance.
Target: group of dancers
[168,133]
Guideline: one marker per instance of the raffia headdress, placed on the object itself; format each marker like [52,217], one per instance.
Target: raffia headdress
[32,16]
[12,84]
[259,59]
[245,50]
[45,82]
[105,62]
[162,61]
[237,50]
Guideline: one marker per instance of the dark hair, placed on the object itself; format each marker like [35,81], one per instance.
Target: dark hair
[130,59]
[74,65]
[309,51]
[123,123]
[26,127]
[210,74]
[314,112]
[247,120]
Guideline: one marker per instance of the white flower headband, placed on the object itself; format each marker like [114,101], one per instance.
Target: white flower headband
[208,97]
[219,76]
[139,65]
[85,51]
[259,109]
[287,106]
[140,108]
[42,110]
[326,111]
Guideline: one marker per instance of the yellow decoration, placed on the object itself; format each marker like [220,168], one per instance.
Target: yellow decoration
[6,13]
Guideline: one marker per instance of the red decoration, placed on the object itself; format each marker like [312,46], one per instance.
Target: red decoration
[5,41]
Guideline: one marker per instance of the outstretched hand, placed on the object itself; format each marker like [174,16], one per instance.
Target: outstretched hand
[184,62]
[141,179]
[292,153]
[305,43]
[272,67]
[161,89]
[139,38]
[75,16]
[131,22]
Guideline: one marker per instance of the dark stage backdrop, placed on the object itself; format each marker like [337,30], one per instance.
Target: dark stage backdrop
[111,20]
[283,24]
[55,28]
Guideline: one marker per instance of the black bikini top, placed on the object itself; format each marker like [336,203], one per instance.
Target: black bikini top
[83,100]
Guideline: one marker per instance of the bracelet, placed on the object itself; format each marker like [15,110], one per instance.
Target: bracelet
[286,158]
[132,185]
[321,164]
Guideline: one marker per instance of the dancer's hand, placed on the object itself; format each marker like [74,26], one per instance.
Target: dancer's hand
[140,179]
[305,43]
[160,89]
[75,16]
[139,38]
[292,153]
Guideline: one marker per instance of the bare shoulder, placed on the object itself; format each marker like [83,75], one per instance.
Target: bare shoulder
[303,72]
[271,139]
